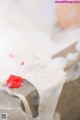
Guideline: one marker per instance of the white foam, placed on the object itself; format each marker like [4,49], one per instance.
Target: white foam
[72,56]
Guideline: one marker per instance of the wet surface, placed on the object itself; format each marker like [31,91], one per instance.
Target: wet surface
[69,101]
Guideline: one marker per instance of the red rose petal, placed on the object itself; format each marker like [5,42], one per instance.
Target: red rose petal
[11,55]
[22,63]
[14,81]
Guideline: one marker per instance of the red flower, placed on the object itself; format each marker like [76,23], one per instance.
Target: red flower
[14,81]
